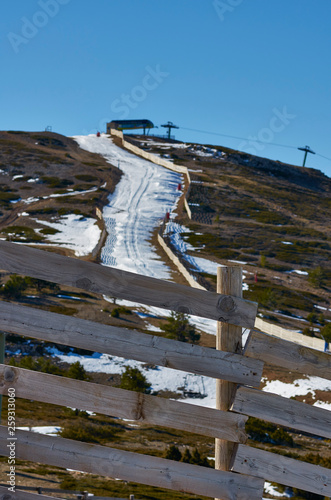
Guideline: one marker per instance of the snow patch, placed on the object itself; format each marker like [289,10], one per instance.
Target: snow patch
[77,233]
[299,387]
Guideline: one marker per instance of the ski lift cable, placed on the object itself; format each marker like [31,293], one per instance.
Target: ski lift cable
[236,137]
[245,139]
[325,157]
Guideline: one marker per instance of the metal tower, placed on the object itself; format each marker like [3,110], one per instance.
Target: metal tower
[169,126]
[307,150]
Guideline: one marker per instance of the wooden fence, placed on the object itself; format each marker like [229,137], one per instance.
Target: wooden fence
[239,371]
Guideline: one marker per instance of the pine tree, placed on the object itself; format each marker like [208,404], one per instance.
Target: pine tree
[179,328]
[173,453]
[77,371]
[134,380]
[187,457]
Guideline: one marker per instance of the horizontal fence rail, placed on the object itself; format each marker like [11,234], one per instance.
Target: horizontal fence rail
[133,467]
[295,357]
[5,494]
[122,284]
[116,341]
[282,470]
[283,411]
[122,403]
[250,466]
[21,493]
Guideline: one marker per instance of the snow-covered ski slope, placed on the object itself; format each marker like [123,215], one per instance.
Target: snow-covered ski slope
[140,201]
[144,194]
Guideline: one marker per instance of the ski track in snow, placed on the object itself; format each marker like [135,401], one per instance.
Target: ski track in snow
[141,199]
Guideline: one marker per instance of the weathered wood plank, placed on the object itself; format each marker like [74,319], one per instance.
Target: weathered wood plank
[123,404]
[130,344]
[295,357]
[282,470]
[122,284]
[283,411]
[228,338]
[5,494]
[130,466]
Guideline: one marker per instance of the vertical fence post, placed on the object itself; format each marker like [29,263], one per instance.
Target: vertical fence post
[2,360]
[228,338]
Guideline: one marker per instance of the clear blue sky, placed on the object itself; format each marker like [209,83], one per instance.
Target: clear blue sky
[253,69]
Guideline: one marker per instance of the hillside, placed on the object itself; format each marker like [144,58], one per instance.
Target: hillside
[241,212]
[44,177]
[272,217]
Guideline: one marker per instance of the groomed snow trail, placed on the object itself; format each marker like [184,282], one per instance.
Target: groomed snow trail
[141,199]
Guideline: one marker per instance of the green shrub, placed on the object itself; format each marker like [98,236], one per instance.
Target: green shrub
[305,495]
[120,310]
[197,459]
[86,178]
[308,332]
[326,332]
[133,380]
[264,432]
[41,211]
[40,365]
[56,182]
[6,196]
[15,287]
[22,233]
[187,457]
[115,313]
[179,328]
[77,371]
[88,432]
[312,317]
[68,311]
[263,260]
[42,285]
[124,310]
[173,453]
[49,230]
[317,277]
[268,298]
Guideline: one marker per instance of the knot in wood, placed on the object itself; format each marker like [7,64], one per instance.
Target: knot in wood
[84,283]
[9,374]
[226,304]
[183,309]
[6,496]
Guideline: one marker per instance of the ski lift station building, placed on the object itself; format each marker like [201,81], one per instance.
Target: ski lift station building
[129,125]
